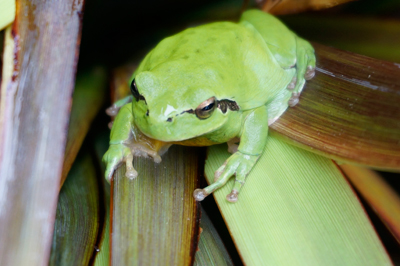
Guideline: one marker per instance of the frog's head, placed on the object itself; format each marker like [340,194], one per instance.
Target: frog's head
[176,107]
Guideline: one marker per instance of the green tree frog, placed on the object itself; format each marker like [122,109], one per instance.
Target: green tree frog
[215,83]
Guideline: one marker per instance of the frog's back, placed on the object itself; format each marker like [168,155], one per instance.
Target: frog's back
[230,59]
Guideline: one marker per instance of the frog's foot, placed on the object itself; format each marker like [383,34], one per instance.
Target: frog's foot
[305,69]
[238,164]
[115,155]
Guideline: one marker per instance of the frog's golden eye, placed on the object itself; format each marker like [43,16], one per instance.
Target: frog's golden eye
[135,91]
[206,108]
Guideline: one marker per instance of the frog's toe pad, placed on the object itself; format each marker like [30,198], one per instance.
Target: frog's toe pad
[200,194]
[292,84]
[112,110]
[310,73]
[294,99]
[233,196]
[131,173]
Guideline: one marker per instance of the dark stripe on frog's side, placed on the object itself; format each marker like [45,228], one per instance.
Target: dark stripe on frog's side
[224,105]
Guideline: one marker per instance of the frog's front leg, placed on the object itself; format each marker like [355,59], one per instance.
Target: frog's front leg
[305,69]
[252,143]
[126,141]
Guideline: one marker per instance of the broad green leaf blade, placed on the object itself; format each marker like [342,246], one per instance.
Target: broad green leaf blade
[35,107]
[88,98]
[349,111]
[155,219]
[211,250]
[7,12]
[78,216]
[279,7]
[378,194]
[296,208]
[370,36]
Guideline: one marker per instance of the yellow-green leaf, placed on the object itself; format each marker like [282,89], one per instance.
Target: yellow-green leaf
[7,12]
[296,208]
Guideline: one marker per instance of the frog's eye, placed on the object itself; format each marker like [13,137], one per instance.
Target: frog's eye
[206,108]
[135,91]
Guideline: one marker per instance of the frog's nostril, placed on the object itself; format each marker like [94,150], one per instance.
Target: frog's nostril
[169,119]
[147,113]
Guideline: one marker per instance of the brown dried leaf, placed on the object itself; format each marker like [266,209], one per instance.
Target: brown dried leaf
[349,111]
[156,213]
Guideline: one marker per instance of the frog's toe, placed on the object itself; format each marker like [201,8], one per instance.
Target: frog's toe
[219,171]
[233,196]
[310,72]
[292,84]
[222,175]
[130,173]
[112,110]
[294,99]
[199,194]
[239,182]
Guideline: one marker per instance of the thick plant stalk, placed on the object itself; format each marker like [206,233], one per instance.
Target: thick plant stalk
[35,105]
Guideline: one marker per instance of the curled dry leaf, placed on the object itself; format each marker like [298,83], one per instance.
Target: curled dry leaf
[349,111]
[280,7]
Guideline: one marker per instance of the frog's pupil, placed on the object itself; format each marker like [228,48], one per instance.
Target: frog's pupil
[208,107]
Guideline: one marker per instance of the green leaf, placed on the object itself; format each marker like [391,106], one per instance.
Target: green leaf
[296,209]
[211,250]
[78,216]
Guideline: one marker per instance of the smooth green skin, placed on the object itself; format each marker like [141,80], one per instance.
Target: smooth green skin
[258,63]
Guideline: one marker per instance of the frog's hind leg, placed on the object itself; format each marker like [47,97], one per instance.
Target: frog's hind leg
[305,69]
[280,40]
